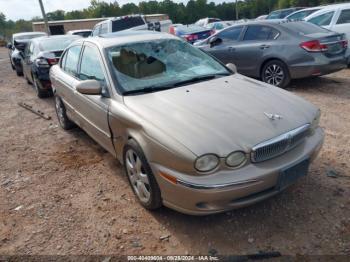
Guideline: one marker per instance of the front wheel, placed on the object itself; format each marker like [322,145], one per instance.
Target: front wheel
[141,177]
[63,119]
[276,73]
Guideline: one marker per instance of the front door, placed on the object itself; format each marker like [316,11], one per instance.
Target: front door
[93,109]
[224,46]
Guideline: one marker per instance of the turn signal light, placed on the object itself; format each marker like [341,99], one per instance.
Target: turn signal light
[170,178]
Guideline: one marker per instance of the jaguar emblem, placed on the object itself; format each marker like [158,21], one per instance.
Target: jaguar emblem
[273,116]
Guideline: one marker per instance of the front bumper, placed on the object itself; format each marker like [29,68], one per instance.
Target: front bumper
[226,190]
[318,68]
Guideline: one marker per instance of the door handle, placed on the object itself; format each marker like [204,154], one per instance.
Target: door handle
[231,49]
[264,46]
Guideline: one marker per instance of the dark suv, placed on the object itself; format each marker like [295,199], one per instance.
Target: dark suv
[19,41]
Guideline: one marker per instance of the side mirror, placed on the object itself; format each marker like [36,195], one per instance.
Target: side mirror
[9,46]
[89,87]
[232,67]
[215,41]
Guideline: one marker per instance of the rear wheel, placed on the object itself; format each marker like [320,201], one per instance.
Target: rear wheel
[19,70]
[141,177]
[275,73]
[39,92]
[63,119]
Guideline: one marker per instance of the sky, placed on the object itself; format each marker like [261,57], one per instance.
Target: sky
[27,9]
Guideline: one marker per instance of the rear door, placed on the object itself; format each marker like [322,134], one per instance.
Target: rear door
[257,42]
[225,47]
[93,109]
[66,78]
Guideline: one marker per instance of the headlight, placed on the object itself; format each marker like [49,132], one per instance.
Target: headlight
[236,159]
[206,163]
[315,122]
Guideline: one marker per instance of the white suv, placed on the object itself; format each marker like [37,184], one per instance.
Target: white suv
[156,22]
[333,17]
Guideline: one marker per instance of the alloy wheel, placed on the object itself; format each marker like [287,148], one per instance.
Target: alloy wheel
[137,175]
[274,75]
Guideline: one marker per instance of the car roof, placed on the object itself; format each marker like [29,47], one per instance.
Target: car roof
[28,33]
[57,37]
[127,37]
[287,9]
[327,8]
[305,9]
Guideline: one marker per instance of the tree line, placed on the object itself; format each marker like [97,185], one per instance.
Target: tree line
[177,11]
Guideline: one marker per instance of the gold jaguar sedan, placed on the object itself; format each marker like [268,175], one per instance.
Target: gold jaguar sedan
[193,134]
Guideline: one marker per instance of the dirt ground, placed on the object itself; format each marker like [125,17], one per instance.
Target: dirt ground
[61,193]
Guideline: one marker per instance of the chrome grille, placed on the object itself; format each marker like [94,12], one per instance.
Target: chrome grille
[279,145]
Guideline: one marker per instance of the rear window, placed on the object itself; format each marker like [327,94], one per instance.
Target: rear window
[212,20]
[126,23]
[23,37]
[56,44]
[274,15]
[83,34]
[304,28]
[302,14]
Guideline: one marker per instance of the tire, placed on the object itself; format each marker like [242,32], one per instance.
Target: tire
[139,172]
[39,92]
[276,73]
[19,71]
[62,117]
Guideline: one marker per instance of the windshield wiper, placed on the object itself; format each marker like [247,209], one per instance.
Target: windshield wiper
[200,78]
[149,89]
[156,88]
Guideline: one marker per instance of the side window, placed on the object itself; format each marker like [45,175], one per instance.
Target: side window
[63,60]
[91,67]
[31,48]
[260,33]
[26,50]
[344,17]
[96,30]
[104,29]
[322,20]
[231,34]
[71,60]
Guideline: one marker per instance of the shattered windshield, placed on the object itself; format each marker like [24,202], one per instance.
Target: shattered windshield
[161,63]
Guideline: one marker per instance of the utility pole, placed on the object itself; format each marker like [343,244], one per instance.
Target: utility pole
[236,7]
[45,17]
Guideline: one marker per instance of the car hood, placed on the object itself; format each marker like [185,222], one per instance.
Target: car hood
[222,115]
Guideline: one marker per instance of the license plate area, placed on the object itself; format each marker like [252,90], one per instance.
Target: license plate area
[290,175]
[335,48]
